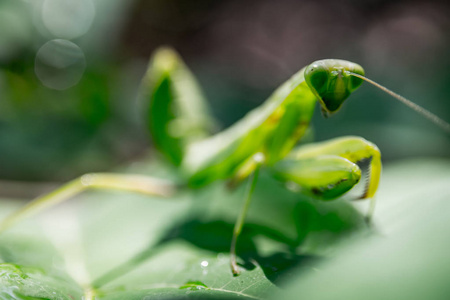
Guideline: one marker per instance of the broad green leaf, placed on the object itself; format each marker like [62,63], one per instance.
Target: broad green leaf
[128,246]
[28,283]
[145,248]
[177,111]
[182,270]
[133,247]
[30,266]
[407,259]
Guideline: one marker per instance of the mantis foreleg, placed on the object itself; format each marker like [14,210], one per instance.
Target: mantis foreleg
[327,170]
[353,148]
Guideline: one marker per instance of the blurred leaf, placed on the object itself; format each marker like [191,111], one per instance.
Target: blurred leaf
[409,257]
[129,246]
[27,283]
[30,266]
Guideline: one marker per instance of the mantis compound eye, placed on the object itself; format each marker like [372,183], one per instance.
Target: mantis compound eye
[331,82]
[355,82]
[317,77]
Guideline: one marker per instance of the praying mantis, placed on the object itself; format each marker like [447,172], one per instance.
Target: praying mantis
[181,128]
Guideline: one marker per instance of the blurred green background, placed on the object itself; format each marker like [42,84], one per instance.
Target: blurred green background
[70,72]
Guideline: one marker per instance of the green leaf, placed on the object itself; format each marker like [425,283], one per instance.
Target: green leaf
[30,265]
[121,246]
[129,246]
[407,259]
[28,283]
[183,270]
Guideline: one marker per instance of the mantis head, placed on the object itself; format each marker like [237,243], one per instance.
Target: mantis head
[331,82]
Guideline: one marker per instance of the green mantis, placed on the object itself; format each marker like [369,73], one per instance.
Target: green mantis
[181,128]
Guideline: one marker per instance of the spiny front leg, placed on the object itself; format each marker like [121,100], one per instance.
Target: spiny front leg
[355,149]
[327,170]
[323,177]
[132,183]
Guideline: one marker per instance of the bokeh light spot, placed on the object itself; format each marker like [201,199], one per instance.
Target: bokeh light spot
[60,64]
[68,19]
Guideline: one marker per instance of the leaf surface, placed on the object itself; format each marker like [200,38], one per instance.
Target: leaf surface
[135,247]
[407,259]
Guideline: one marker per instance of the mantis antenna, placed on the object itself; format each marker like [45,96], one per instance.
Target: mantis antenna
[430,116]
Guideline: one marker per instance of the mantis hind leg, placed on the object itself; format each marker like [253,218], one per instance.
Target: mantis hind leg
[132,183]
[327,170]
